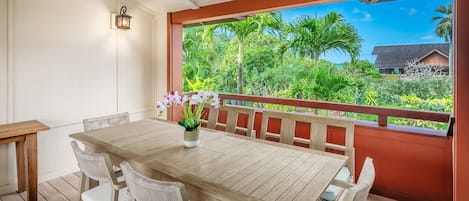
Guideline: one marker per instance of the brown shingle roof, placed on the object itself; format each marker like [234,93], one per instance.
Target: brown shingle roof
[398,55]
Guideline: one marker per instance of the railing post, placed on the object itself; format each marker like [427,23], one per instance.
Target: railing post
[382,120]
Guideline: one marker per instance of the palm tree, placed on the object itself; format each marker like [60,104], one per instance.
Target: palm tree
[314,36]
[444,29]
[243,29]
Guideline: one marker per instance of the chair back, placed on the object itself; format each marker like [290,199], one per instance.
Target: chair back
[106,121]
[318,132]
[233,113]
[96,166]
[146,189]
[361,190]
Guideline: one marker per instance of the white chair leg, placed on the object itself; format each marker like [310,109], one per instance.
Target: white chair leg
[83,180]
[114,195]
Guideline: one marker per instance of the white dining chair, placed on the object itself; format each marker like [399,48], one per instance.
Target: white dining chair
[105,121]
[97,166]
[232,116]
[317,136]
[360,190]
[143,188]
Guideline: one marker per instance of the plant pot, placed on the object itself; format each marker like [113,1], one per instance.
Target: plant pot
[191,138]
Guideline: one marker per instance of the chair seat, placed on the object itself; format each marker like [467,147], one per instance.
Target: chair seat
[332,191]
[103,192]
[343,175]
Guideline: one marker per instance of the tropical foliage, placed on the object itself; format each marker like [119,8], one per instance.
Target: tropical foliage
[265,56]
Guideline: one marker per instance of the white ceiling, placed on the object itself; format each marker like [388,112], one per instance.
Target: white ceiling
[177,5]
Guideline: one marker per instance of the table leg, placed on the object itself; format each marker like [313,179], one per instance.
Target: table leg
[31,154]
[20,166]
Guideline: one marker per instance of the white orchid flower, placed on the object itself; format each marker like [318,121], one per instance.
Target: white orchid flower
[161,106]
[195,100]
[203,95]
[176,98]
[184,99]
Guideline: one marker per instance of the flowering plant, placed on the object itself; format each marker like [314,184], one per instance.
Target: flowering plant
[193,106]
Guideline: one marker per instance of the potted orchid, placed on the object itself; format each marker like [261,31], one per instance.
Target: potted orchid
[193,110]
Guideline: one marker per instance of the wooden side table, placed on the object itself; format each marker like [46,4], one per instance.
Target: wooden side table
[24,134]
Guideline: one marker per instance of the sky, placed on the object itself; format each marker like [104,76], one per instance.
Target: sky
[387,23]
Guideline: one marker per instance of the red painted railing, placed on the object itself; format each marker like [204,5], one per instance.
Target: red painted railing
[382,112]
[411,163]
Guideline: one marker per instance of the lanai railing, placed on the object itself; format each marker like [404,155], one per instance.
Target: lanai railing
[411,163]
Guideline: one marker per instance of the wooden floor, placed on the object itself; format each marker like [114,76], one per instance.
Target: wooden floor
[66,189]
[60,189]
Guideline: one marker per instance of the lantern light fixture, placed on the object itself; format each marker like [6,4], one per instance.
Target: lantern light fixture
[123,20]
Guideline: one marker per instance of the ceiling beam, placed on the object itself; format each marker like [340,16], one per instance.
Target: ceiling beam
[237,8]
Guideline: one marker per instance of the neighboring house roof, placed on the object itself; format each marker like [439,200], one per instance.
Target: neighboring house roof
[393,56]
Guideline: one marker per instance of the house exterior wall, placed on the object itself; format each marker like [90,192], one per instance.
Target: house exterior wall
[435,59]
[64,64]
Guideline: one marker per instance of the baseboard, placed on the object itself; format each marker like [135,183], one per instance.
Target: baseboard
[57,173]
[8,188]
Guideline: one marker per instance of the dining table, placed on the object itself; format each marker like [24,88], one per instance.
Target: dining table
[224,166]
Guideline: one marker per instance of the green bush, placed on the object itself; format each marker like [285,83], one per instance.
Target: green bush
[390,90]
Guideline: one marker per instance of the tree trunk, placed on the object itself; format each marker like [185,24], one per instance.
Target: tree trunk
[450,65]
[240,67]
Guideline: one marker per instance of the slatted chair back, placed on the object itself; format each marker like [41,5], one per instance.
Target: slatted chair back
[106,121]
[233,112]
[146,189]
[318,132]
[96,166]
[361,190]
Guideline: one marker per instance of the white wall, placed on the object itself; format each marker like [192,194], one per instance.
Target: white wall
[66,64]
[160,55]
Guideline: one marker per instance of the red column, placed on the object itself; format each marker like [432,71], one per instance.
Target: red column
[174,64]
[461,94]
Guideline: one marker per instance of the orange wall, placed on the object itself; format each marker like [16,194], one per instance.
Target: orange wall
[461,86]
[409,166]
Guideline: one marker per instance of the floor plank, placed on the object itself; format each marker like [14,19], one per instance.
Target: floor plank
[12,197]
[73,180]
[39,196]
[50,193]
[67,190]
[60,189]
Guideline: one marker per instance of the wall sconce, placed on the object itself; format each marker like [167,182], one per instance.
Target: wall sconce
[123,20]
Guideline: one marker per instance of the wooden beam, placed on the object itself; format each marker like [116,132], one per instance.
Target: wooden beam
[174,68]
[239,8]
[364,109]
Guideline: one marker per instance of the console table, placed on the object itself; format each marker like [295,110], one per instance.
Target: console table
[24,134]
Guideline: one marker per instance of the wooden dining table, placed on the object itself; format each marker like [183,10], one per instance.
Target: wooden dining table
[223,167]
